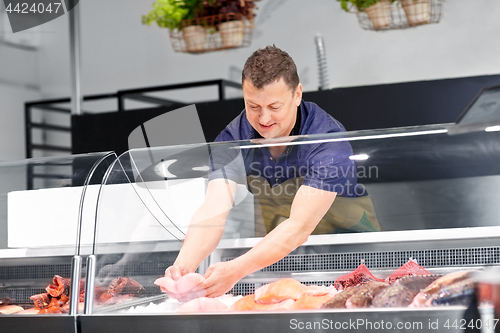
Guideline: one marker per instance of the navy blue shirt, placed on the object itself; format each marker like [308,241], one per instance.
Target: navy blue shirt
[322,165]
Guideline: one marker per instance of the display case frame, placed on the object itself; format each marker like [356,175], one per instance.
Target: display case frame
[432,151]
[46,193]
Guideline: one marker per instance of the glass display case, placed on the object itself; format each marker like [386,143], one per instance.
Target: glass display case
[406,194]
[45,227]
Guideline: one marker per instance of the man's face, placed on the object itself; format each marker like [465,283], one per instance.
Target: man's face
[272,110]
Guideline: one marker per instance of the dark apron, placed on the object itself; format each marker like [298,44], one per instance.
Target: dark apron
[273,207]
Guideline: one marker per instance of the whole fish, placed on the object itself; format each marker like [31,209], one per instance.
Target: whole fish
[435,287]
[417,283]
[364,297]
[393,296]
[459,293]
[338,301]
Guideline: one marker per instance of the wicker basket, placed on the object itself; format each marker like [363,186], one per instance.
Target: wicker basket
[400,14]
[380,14]
[417,12]
[221,32]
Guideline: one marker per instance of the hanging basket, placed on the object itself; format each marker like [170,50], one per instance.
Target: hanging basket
[212,33]
[400,14]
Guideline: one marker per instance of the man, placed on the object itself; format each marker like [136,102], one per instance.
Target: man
[273,109]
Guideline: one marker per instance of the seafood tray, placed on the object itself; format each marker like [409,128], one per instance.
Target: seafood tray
[386,320]
[426,319]
[418,195]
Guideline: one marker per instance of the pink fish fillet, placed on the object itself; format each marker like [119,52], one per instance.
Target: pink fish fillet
[320,291]
[167,284]
[187,282]
[188,296]
[202,304]
[182,289]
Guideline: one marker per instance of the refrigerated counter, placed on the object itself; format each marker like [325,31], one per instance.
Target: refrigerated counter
[45,228]
[432,197]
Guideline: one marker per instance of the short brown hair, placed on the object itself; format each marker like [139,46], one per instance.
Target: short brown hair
[268,65]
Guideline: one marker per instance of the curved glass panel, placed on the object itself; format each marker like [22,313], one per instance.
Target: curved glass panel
[146,205]
[386,182]
[42,211]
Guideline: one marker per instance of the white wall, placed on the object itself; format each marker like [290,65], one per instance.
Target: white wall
[18,83]
[118,52]
[12,142]
[30,74]
[121,53]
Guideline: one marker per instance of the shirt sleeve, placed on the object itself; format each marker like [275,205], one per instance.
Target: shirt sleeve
[226,162]
[329,168]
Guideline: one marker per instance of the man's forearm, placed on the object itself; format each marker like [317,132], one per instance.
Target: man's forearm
[201,239]
[285,238]
[207,225]
[308,208]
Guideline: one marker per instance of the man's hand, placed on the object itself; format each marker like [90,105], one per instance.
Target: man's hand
[173,274]
[176,271]
[219,279]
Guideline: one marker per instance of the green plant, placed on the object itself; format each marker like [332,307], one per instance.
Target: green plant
[361,5]
[170,13]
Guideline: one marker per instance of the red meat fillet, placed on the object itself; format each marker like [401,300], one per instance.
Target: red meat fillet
[411,268]
[360,275]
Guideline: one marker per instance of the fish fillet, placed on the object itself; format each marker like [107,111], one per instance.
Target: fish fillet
[321,291]
[29,311]
[185,284]
[166,284]
[411,268]
[358,276]
[307,302]
[10,309]
[202,304]
[51,309]
[279,291]
[188,282]
[248,303]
